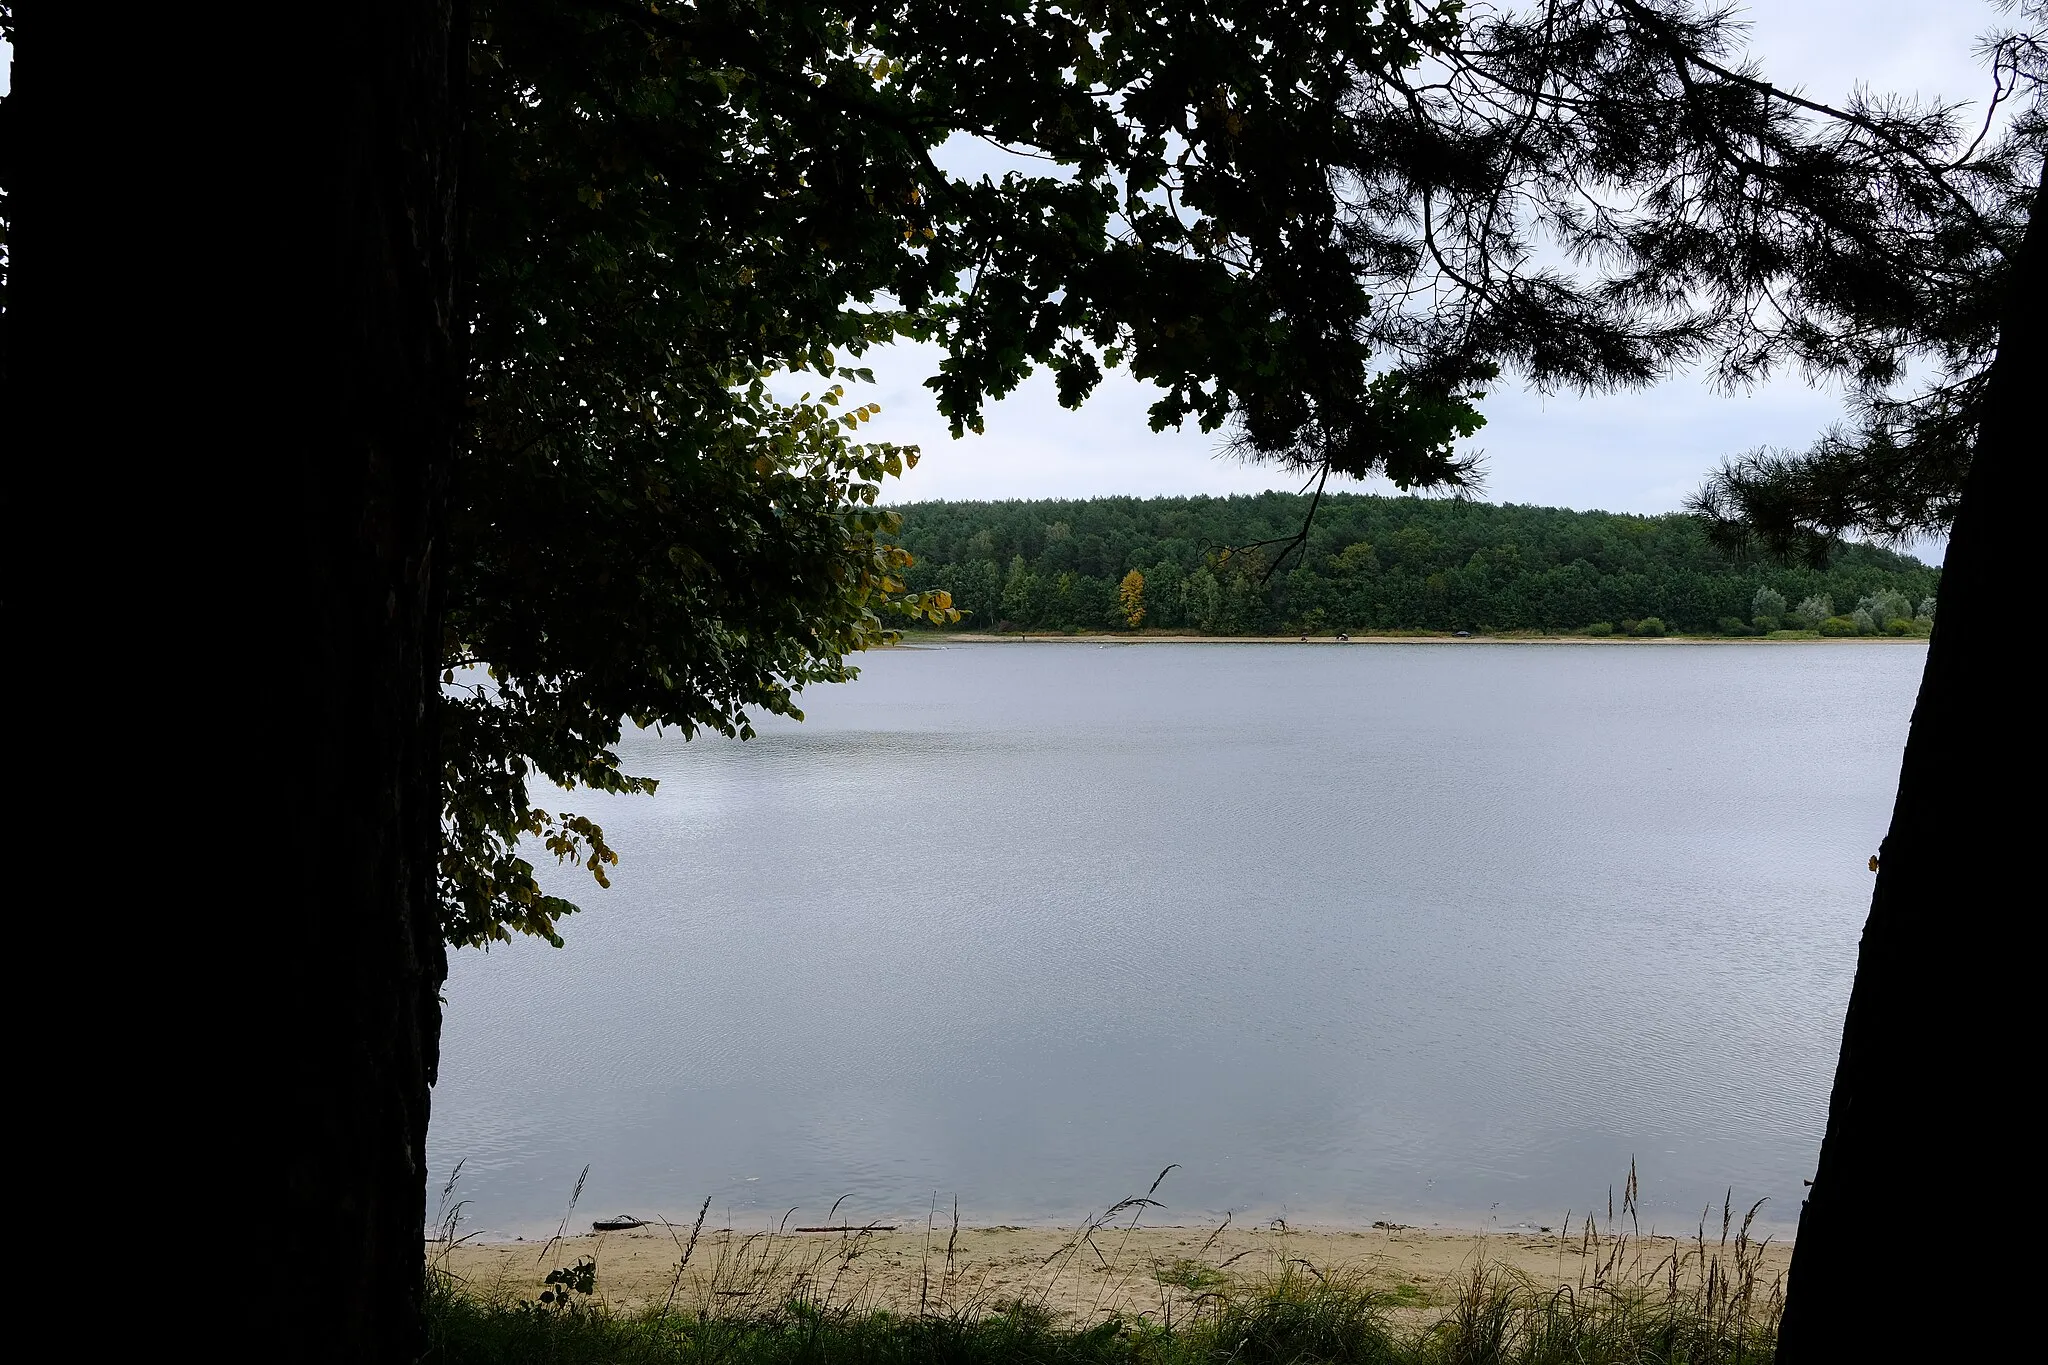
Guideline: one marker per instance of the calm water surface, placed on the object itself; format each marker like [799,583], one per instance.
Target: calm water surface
[1429,933]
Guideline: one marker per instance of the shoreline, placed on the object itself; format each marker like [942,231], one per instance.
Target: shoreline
[1086,1273]
[912,639]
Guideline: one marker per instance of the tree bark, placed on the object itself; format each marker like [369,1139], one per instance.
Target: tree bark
[365,483]
[231,357]
[1931,1078]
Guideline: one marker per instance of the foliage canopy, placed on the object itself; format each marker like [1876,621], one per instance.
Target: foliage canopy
[1324,228]
[669,205]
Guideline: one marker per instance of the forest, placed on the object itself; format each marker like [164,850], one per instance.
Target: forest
[1234,566]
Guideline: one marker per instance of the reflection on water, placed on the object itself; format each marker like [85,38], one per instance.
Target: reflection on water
[1420,932]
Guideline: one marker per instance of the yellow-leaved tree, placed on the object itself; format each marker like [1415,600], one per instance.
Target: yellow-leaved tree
[1131,595]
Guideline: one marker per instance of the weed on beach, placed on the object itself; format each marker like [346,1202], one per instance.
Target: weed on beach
[776,1298]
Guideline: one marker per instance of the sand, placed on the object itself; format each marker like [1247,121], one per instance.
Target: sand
[1153,1272]
[915,639]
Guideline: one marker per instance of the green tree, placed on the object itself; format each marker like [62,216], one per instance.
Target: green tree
[1202,602]
[1885,606]
[1356,561]
[1767,607]
[1813,610]
[1020,593]
[979,594]
[1163,594]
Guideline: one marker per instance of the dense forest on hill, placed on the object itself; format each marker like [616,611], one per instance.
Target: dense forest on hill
[1379,563]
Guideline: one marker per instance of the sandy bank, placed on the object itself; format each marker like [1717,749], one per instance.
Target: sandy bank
[1157,1272]
[1118,638]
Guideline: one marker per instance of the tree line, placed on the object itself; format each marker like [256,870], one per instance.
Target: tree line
[1234,566]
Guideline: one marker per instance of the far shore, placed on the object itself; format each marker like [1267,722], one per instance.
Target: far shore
[913,638]
[1157,1272]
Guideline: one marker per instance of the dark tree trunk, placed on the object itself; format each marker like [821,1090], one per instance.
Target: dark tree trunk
[232,369]
[1932,1078]
[362,477]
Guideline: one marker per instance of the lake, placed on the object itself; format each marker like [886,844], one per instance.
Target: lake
[1423,933]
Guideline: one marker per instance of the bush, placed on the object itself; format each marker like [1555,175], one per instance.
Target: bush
[1766,624]
[1649,625]
[1898,625]
[1866,624]
[1732,625]
[1767,605]
[1600,628]
[1839,626]
[1627,625]
[1885,605]
[1813,610]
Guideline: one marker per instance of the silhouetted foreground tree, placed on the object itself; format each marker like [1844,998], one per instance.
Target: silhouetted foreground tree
[233,384]
[1938,1026]
[362,274]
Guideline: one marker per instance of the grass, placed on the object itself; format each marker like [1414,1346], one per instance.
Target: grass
[773,1300]
[1192,1276]
[1292,1320]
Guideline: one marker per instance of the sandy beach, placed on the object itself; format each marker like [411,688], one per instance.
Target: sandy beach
[1159,1273]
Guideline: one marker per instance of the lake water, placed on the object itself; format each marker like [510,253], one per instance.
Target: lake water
[1428,933]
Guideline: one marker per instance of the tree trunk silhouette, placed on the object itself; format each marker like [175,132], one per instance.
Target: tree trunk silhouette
[360,483]
[1931,1071]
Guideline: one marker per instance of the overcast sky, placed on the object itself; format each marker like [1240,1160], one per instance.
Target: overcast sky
[1639,452]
